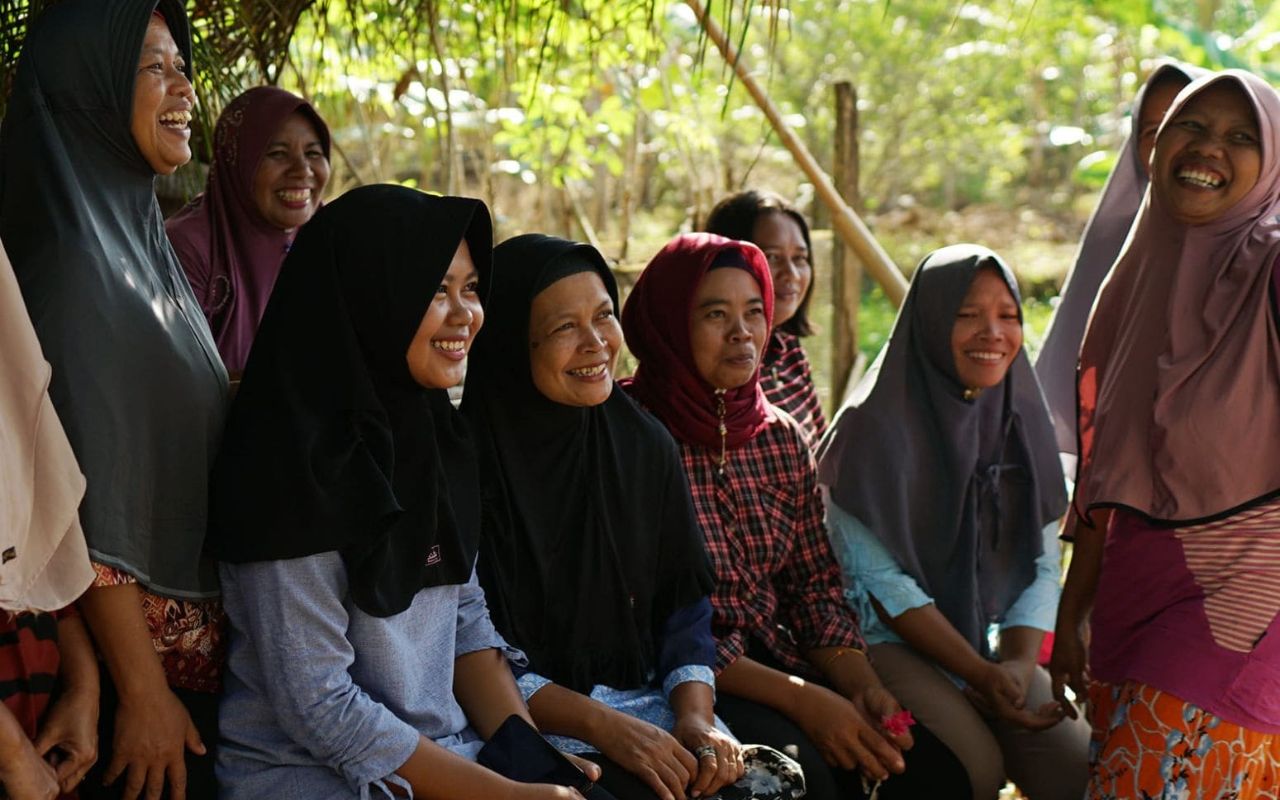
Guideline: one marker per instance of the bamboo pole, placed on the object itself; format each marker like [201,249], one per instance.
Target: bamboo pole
[848,226]
[846,269]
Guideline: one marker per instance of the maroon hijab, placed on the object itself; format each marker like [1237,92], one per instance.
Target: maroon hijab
[230,253]
[1180,367]
[655,322]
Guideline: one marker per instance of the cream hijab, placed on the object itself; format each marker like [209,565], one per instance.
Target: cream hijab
[44,564]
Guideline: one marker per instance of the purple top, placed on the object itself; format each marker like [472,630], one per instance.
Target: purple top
[1174,610]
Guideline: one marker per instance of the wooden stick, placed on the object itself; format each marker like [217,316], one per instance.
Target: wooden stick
[850,228]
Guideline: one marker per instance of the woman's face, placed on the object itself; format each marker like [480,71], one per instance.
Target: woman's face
[727,327]
[574,339]
[439,349]
[987,333]
[782,241]
[162,101]
[1209,155]
[291,175]
[1155,104]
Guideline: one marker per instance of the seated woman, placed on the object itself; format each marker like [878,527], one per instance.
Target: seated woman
[101,103]
[347,518]
[698,319]
[780,231]
[270,167]
[945,494]
[48,675]
[591,556]
[1178,389]
[1103,237]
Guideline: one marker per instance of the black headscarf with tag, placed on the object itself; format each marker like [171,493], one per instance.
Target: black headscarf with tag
[332,445]
[957,488]
[137,380]
[590,540]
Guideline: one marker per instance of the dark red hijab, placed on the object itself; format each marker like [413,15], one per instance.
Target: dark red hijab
[655,322]
[232,255]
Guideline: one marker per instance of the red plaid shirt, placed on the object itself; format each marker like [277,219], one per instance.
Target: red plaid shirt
[787,382]
[777,579]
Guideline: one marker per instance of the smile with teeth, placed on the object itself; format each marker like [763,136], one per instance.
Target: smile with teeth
[450,346]
[589,372]
[986,356]
[294,195]
[175,119]
[1199,177]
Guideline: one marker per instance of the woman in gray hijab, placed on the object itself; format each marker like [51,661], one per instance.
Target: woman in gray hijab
[101,104]
[944,495]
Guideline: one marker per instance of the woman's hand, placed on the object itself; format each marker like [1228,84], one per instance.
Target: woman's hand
[1069,665]
[844,735]
[876,703]
[589,768]
[649,753]
[71,726]
[153,731]
[23,774]
[1002,692]
[714,772]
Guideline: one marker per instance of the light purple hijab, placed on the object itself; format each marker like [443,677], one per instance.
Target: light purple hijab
[1180,368]
[1103,237]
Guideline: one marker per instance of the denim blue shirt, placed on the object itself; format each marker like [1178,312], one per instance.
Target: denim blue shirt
[870,570]
[686,652]
[322,700]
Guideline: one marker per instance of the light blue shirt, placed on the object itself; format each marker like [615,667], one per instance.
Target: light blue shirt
[871,571]
[322,700]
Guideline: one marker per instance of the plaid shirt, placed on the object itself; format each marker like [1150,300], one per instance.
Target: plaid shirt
[777,579]
[787,382]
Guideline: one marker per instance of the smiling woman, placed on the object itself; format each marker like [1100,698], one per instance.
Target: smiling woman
[270,167]
[99,107]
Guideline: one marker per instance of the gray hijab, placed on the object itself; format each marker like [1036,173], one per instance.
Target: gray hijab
[957,489]
[137,380]
[1104,235]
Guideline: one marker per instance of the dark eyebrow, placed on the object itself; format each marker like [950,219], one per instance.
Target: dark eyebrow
[470,276]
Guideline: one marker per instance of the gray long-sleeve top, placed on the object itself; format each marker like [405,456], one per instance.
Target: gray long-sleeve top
[324,701]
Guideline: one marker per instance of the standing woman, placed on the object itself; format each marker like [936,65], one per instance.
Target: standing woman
[1179,376]
[592,558]
[270,167]
[101,105]
[945,493]
[780,231]
[347,519]
[48,675]
[698,319]
[1103,237]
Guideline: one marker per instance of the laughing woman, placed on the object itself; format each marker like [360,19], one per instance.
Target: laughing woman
[100,106]
[791,664]
[945,493]
[1179,378]
[347,519]
[270,167]
[592,558]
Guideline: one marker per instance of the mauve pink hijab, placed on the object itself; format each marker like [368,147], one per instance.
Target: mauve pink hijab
[1180,368]
[230,253]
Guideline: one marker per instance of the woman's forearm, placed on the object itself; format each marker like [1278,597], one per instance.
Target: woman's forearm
[1082,576]
[114,616]
[1021,643]
[486,690]
[438,774]
[79,669]
[694,699]
[751,680]
[565,712]
[928,631]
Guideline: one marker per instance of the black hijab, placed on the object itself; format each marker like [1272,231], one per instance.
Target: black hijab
[332,445]
[590,540]
[958,490]
[137,380]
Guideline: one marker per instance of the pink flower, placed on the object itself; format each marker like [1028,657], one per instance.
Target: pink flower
[897,724]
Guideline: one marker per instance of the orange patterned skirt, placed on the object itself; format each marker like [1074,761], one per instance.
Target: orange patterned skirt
[1149,744]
